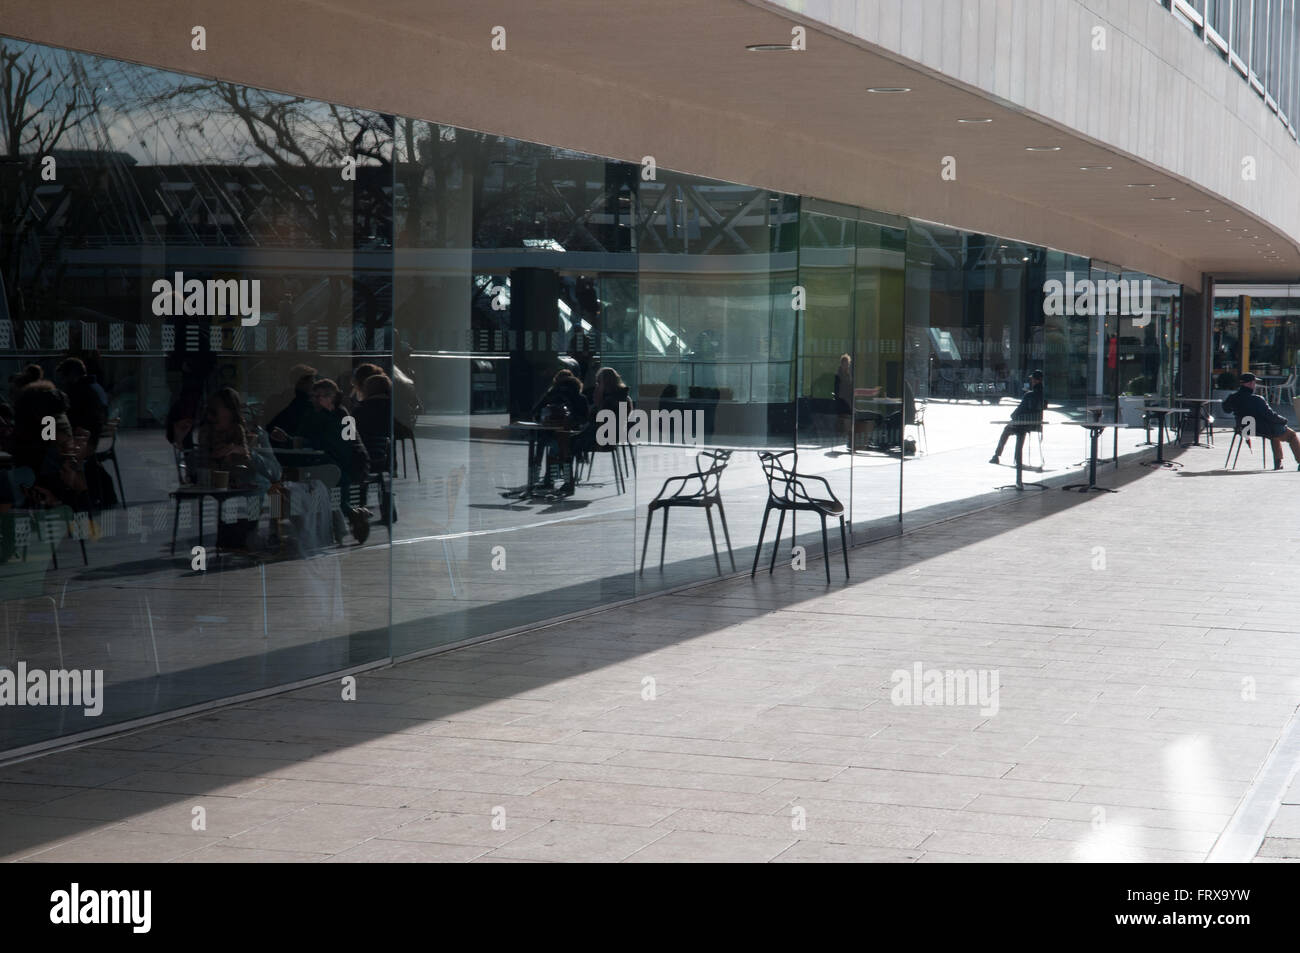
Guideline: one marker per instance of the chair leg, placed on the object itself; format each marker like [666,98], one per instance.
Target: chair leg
[826,551]
[446,554]
[84,561]
[58,632]
[649,519]
[780,525]
[121,490]
[1231,443]
[708,514]
[762,531]
[403,443]
[176,523]
[415,452]
[618,471]
[663,539]
[844,548]
[722,514]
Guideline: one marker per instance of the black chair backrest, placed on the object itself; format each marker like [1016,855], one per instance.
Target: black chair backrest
[710,464]
[781,481]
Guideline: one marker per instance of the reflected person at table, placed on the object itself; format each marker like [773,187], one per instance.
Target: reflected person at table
[1026,418]
[564,408]
[1245,403]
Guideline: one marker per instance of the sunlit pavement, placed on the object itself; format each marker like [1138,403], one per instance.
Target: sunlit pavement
[1127,689]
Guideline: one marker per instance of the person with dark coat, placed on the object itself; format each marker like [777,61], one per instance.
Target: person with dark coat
[1246,405]
[57,463]
[87,412]
[323,429]
[288,423]
[1026,418]
[563,408]
[374,417]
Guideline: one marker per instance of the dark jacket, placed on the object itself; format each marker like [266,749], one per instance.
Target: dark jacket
[374,417]
[1246,403]
[1030,408]
[293,417]
[568,394]
[323,430]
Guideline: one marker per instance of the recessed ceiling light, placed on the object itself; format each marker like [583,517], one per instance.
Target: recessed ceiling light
[1042,148]
[1095,168]
[889,89]
[768,47]
[1163,198]
[1140,185]
[1242,229]
[1204,211]
[1218,221]
[974,120]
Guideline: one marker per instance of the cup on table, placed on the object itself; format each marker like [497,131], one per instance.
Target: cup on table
[220,480]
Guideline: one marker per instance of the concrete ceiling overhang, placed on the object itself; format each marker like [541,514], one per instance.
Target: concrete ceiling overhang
[673,79]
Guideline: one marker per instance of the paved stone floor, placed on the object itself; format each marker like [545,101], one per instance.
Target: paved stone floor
[1143,647]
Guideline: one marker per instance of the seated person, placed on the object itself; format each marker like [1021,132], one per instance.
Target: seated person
[322,429]
[288,423]
[1245,403]
[58,464]
[1026,418]
[565,408]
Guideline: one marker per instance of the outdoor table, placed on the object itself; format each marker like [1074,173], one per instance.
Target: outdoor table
[189,492]
[886,405]
[1161,413]
[534,430]
[1020,484]
[1198,405]
[1096,427]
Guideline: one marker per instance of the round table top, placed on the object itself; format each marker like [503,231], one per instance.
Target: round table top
[1092,424]
[1021,423]
[1165,410]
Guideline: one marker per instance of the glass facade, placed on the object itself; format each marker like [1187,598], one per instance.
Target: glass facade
[1259,38]
[296,389]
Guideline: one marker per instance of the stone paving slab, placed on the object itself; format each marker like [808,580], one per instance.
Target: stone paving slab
[1139,690]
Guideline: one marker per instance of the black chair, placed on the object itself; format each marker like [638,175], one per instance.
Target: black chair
[1239,439]
[402,433]
[103,456]
[698,489]
[787,490]
[379,450]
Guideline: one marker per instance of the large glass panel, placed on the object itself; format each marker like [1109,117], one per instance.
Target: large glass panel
[1259,39]
[715,351]
[515,284]
[1241,22]
[182,261]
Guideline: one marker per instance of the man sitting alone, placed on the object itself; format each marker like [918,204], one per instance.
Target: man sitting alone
[1028,416]
[1246,405]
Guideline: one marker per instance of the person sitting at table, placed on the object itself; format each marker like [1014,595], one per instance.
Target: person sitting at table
[564,408]
[1026,418]
[287,424]
[374,414]
[357,390]
[323,430]
[56,464]
[1245,403]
